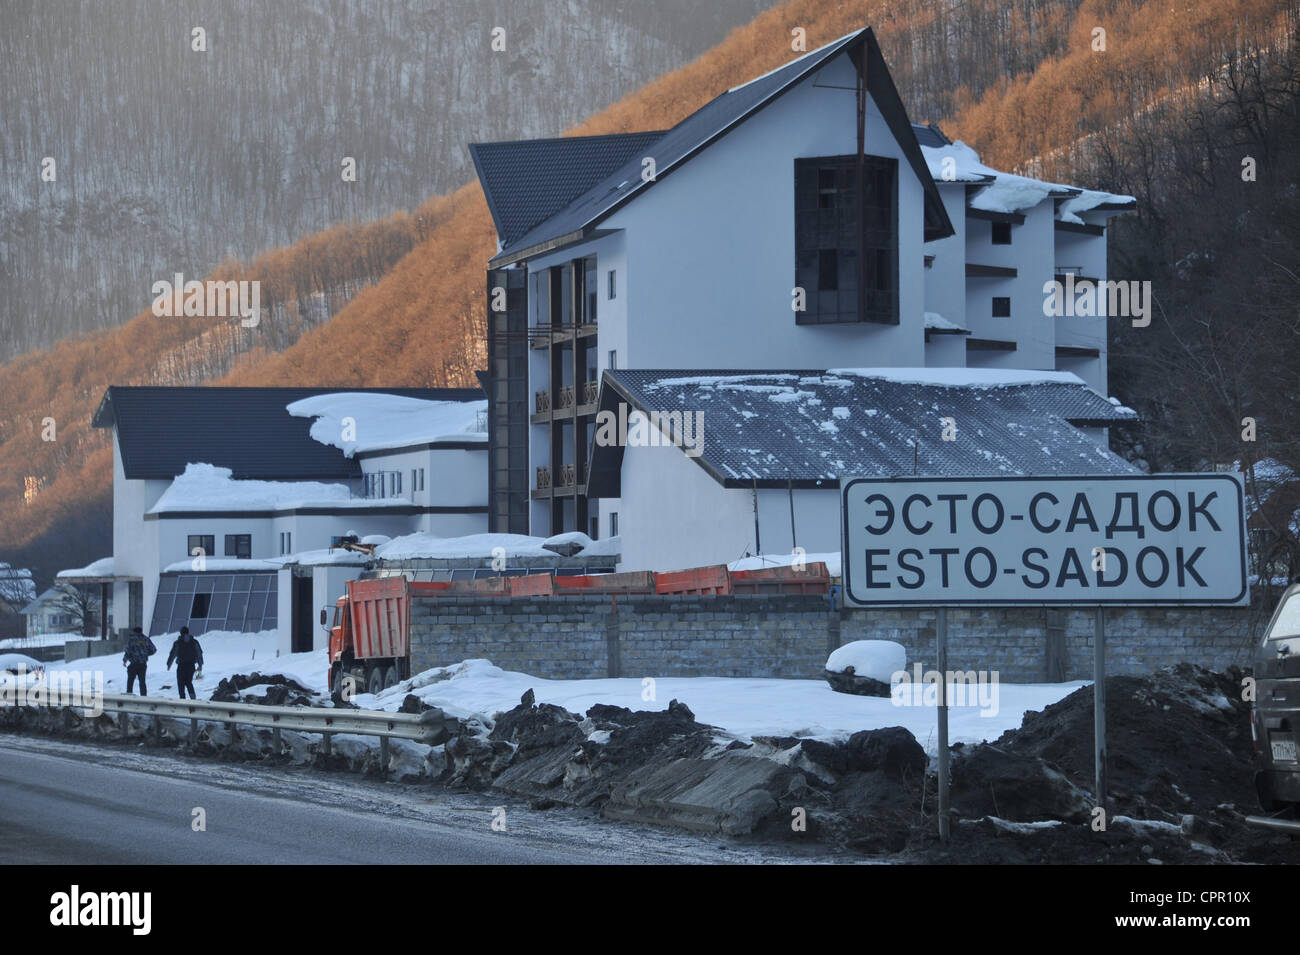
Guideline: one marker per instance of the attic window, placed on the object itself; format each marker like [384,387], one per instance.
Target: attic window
[1001,233]
[829,235]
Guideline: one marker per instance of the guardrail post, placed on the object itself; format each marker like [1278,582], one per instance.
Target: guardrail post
[328,744]
[276,736]
[157,728]
[383,756]
[234,734]
[194,732]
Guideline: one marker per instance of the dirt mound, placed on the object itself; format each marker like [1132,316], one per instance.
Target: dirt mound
[277,690]
[1178,741]
[1180,765]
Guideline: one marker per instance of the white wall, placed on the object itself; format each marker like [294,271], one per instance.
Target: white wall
[674,515]
[710,247]
[1031,254]
[1085,254]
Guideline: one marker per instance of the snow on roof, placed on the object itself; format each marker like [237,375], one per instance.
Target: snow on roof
[380,422]
[221,563]
[100,568]
[204,487]
[936,322]
[1007,192]
[478,546]
[421,545]
[964,377]
[818,425]
[325,555]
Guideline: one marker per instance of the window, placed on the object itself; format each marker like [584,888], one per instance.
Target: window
[612,287]
[613,359]
[286,542]
[215,601]
[613,523]
[382,484]
[239,545]
[829,237]
[828,270]
[590,288]
[1001,233]
[201,545]
[1001,306]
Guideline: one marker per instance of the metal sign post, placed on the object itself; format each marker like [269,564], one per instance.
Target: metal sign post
[941,651]
[1050,541]
[1099,705]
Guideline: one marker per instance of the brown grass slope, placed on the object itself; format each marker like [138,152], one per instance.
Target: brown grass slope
[1015,80]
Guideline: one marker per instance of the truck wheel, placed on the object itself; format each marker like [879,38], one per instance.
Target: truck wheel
[391,677]
[346,686]
[374,679]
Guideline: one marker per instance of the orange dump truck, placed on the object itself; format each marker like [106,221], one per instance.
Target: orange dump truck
[370,637]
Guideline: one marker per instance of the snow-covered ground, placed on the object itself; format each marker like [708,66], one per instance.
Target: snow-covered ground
[744,707]
[225,653]
[39,640]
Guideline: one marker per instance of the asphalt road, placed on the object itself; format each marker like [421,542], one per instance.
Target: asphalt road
[78,804]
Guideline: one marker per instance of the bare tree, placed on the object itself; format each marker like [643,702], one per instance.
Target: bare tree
[82,606]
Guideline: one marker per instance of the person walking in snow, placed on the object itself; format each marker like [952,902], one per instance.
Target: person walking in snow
[139,649]
[188,655]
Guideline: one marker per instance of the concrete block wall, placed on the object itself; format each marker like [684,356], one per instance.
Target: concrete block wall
[790,636]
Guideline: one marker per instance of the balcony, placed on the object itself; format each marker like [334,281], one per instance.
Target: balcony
[554,482]
[545,335]
[565,402]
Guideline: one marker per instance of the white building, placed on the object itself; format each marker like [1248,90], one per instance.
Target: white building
[46,614]
[228,502]
[798,221]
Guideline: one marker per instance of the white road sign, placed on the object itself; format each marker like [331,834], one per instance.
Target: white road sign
[1147,539]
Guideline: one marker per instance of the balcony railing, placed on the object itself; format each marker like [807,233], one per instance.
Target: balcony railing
[568,475]
[590,392]
[543,402]
[543,478]
[565,399]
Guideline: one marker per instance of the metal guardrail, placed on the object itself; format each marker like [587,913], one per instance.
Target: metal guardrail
[1289,826]
[418,727]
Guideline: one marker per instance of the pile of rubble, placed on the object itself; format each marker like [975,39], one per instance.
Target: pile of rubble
[275,690]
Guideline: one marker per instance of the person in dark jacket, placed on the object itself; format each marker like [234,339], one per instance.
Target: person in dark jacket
[188,655]
[139,649]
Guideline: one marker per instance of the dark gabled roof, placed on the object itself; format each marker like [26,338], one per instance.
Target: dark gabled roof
[930,135]
[715,119]
[528,181]
[813,426]
[248,430]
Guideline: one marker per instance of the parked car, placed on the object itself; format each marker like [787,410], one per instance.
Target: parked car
[1275,716]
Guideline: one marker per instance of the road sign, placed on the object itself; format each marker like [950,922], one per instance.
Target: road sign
[1094,541]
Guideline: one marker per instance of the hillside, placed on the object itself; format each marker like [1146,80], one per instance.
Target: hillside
[989,72]
[169,158]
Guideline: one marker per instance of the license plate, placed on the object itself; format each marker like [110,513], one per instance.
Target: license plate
[1284,749]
